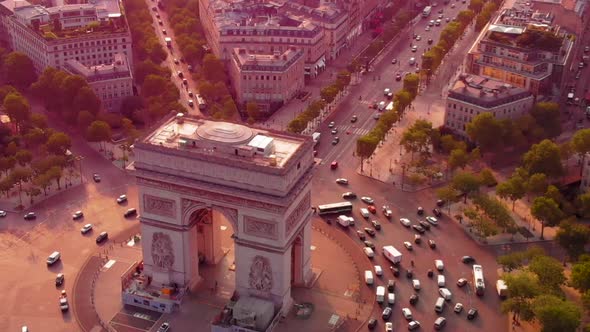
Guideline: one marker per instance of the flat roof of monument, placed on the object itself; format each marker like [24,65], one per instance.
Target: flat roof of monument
[226,140]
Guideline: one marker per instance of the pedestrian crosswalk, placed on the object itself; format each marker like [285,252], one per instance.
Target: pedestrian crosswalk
[352,130]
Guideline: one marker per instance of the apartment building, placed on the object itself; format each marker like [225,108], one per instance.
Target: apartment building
[523,48]
[91,33]
[472,95]
[112,83]
[266,79]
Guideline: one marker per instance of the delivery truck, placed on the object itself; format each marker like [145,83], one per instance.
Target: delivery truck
[345,221]
[502,288]
[392,254]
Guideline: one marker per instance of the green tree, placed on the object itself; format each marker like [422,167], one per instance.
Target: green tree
[418,138]
[38,120]
[213,69]
[365,146]
[487,178]
[55,173]
[580,144]
[483,129]
[514,189]
[448,194]
[34,138]
[466,183]
[512,261]
[19,176]
[556,314]
[329,93]
[17,108]
[85,118]
[58,143]
[549,271]
[43,181]
[459,158]
[6,164]
[547,211]
[99,131]
[403,99]
[411,83]
[547,116]
[6,185]
[572,237]
[86,100]
[543,157]
[580,276]
[5,90]
[24,157]
[19,70]
[537,184]
[152,85]
[524,287]
[253,110]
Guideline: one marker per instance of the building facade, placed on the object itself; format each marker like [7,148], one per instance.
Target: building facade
[504,51]
[472,95]
[112,83]
[266,79]
[89,33]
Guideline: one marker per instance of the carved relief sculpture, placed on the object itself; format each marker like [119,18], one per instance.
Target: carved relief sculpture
[295,216]
[162,252]
[260,277]
[159,206]
[262,228]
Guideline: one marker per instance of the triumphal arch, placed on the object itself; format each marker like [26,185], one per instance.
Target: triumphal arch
[193,172]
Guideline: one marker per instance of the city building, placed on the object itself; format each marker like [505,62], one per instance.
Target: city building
[267,79]
[524,48]
[472,95]
[111,83]
[91,33]
[193,175]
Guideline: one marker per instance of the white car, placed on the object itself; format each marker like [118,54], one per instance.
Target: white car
[2,213]
[391,298]
[369,252]
[63,304]
[413,325]
[414,48]
[342,181]
[458,307]
[418,38]
[441,280]
[367,200]
[87,228]
[389,327]
[408,245]
[406,222]
[416,284]
[432,220]
[427,28]
[387,211]
[407,313]
[122,199]
[77,215]
[378,270]
[439,264]
[331,124]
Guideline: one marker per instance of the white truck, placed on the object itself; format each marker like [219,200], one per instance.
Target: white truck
[426,11]
[380,293]
[345,221]
[168,41]
[501,288]
[392,254]
[316,138]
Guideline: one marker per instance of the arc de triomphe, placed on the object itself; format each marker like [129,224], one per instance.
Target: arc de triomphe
[191,172]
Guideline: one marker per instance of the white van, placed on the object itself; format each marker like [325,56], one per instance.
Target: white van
[441,280]
[365,213]
[53,258]
[369,277]
[378,270]
[369,252]
[391,298]
[439,305]
[380,292]
[445,293]
[416,284]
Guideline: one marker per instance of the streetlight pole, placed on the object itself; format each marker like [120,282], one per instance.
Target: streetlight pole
[79,159]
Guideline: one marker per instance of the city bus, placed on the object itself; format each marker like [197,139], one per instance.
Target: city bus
[478,281]
[426,11]
[201,102]
[342,207]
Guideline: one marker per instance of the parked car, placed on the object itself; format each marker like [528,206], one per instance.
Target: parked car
[418,229]
[59,279]
[386,313]
[407,314]
[367,200]
[458,308]
[77,215]
[467,259]
[130,212]
[87,228]
[432,220]
[437,212]
[472,314]
[461,282]
[164,327]
[342,181]
[413,325]
[406,222]
[122,199]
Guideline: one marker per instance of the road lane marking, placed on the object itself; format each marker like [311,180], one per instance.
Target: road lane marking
[109,264]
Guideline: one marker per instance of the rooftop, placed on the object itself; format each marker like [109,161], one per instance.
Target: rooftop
[226,140]
[276,61]
[485,91]
[119,68]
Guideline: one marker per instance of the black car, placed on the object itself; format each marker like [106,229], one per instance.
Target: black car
[437,212]
[432,244]
[440,203]
[471,314]
[130,212]
[398,77]
[420,211]
[418,229]
[369,244]
[386,313]
[96,177]
[394,271]
[414,299]
[59,279]
[102,237]
[467,259]
[30,216]
[372,323]
[349,195]
[370,231]
[361,235]
[424,225]
[409,274]
[390,285]
[430,273]
[354,119]
[376,224]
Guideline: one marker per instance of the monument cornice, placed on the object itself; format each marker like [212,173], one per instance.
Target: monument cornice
[166,225]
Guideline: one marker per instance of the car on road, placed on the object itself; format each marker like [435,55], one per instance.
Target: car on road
[30,216]
[334,165]
[409,273]
[87,228]
[130,212]
[406,222]
[122,199]
[424,224]
[438,263]
[349,195]
[164,32]
[394,270]
[372,209]
[77,215]
[408,245]
[417,239]
[414,48]
[184,81]
[472,314]
[452,5]
[354,119]
[458,307]
[431,23]
[386,313]
[369,231]
[398,77]
[336,140]
[412,61]
[430,41]
[439,323]
[390,285]
[372,323]
[440,202]
[2,213]
[387,211]
[386,91]
[334,131]
[376,224]
[418,229]
[164,327]
[63,304]
[413,325]
[176,61]
[432,244]
[414,299]
[388,327]
[102,237]
[467,259]
[427,28]
[432,220]
[331,124]
[448,19]
[441,16]
[367,199]
[418,38]
[191,103]
[393,61]
[342,181]
[437,212]
[407,313]
[416,284]
[420,211]
[59,279]
[437,22]
[461,282]
[361,235]
[96,177]
[369,252]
